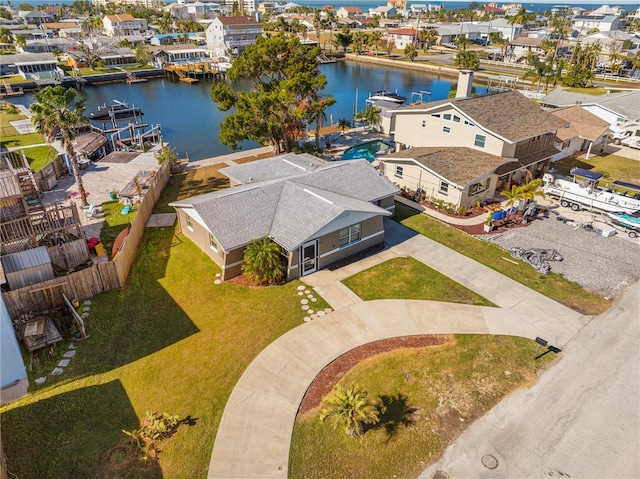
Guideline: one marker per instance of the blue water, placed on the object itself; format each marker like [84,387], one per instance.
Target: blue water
[365,150]
[190,120]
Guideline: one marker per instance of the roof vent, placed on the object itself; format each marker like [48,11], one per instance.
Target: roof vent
[250,179]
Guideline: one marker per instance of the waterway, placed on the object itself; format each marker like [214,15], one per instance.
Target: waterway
[190,120]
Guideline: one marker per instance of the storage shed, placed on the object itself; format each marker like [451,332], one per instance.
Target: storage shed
[27,267]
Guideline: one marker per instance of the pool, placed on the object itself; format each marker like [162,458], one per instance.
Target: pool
[367,150]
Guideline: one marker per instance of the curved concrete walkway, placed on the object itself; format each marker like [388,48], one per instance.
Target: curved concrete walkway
[254,435]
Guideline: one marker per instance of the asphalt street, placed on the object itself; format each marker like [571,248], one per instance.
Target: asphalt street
[581,420]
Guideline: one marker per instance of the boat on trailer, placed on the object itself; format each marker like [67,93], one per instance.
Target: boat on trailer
[583,192]
[628,222]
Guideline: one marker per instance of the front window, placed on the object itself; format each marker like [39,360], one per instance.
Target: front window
[444,188]
[447,116]
[480,141]
[399,171]
[446,129]
[189,223]
[213,244]
[349,235]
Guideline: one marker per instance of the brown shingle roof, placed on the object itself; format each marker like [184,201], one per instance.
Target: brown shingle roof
[526,160]
[121,17]
[237,20]
[583,123]
[460,165]
[509,114]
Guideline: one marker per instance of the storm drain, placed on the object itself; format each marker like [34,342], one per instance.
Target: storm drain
[489,461]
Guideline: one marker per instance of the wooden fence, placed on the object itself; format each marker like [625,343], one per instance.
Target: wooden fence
[95,279]
[69,255]
[127,254]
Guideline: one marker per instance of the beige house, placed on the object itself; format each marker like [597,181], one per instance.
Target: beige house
[318,212]
[465,149]
[123,24]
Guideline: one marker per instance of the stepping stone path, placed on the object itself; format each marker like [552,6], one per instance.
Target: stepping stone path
[311,314]
[71,351]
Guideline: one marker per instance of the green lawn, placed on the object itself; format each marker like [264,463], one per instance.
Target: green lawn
[613,167]
[432,394]
[21,140]
[114,222]
[8,113]
[553,285]
[410,279]
[170,341]
[40,156]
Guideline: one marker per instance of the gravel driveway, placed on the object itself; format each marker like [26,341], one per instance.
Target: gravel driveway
[604,265]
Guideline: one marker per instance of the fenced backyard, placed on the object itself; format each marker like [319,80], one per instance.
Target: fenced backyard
[97,278]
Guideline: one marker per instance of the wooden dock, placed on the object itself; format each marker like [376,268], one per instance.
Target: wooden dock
[191,72]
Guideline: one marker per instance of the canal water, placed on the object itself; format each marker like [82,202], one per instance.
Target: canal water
[190,120]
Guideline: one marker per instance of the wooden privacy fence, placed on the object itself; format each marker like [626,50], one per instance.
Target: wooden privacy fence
[124,259]
[95,279]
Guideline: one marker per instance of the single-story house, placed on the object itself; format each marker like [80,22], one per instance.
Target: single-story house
[458,175]
[318,212]
[586,130]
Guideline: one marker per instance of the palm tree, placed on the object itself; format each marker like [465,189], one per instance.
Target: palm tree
[263,262]
[351,408]
[374,38]
[343,123]
[429,36]
[372,115]
[466,60]
[411,51]
[57,113]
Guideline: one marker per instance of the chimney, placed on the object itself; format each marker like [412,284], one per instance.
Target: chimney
[465,82]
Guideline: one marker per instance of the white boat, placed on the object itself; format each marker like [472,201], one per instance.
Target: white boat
[583,192]
[385,95]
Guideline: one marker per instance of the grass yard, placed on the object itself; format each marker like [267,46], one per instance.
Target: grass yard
[613,167]
[411,280]
[40,156]
[431,395]
[553,285]
[22,140]
[171,341]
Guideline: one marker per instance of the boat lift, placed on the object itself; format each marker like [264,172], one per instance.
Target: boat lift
[419,96]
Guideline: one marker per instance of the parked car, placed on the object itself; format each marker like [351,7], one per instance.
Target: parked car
[480,41]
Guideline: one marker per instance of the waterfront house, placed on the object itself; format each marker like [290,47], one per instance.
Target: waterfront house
[403,37]
[124,24]
[509,147]
[318,212]
[585,132]
[32,66]
[232,34]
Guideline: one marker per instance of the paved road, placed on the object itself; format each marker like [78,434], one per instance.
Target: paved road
[580,420]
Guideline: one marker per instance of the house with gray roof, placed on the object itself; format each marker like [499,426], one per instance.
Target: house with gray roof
[468,149]
[615,108]
[318,212]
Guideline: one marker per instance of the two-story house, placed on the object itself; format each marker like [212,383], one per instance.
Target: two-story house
[349,12]
[464,150]
[124,24]
[232,34]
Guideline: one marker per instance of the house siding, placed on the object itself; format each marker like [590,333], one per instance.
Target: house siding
[410,132]
[200,236]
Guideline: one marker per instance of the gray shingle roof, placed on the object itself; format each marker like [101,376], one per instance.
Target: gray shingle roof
[626,103]
[290,209]
[508,114]
[459,165]
[282,166]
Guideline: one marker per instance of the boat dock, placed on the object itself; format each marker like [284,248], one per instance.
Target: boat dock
[192,72]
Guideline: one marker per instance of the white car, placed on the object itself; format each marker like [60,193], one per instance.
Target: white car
[632,142]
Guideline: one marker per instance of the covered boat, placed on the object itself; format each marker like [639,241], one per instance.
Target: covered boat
[630,222]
